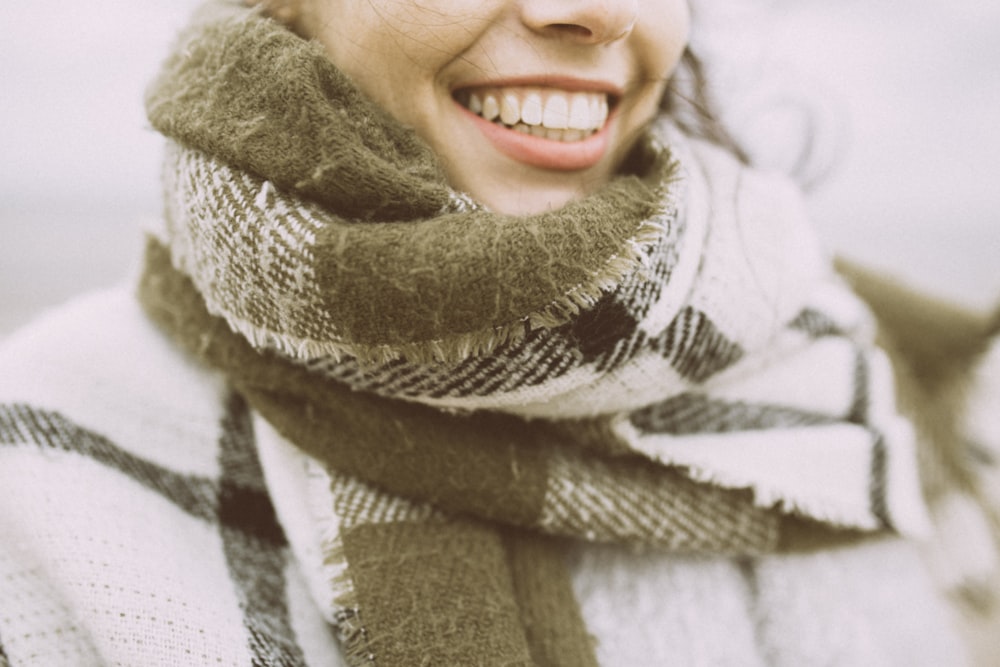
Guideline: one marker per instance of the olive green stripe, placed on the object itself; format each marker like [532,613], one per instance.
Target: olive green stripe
[486,464]
[557,635]
[226,90]
[388,259]
[435,594]
[510,268]
[490,465]
[476,465]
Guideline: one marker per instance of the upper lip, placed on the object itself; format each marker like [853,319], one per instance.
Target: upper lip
[567,83]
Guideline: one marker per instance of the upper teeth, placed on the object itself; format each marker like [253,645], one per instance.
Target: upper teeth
[553,113]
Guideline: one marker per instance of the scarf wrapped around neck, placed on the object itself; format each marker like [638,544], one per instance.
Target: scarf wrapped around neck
[669,362]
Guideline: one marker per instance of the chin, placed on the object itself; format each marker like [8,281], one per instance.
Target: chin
[515,200]
[528,200]
[528,194]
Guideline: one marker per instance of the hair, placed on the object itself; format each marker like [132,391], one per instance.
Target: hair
[688,102]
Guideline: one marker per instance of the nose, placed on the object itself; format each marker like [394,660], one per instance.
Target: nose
[582,21]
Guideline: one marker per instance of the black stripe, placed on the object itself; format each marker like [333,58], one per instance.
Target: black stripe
[237,504]
[253,544]
[816,324]
[596,332]
[4,660]
[624,351]
[665,341]
[858,413]
[694,413]
[22,424]
[554,360]
[695,354]
[695,347]
[253,541]
[878,484]
[760,615]
[465,379]
[243,501]
[410,382]
[683,335]
[649,290]
[385,378]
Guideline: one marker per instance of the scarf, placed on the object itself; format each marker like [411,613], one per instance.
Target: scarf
[669,363]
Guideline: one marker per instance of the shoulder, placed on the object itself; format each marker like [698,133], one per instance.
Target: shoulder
[126,473]
[947,367]
[99,364]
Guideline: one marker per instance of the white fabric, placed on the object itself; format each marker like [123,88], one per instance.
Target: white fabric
[868,605]
[750,312]
[96,568]
[100,565]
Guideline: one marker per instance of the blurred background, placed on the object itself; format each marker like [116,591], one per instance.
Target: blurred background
[909,143]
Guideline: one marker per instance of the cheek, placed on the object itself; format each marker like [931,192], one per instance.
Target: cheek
[414,35]
[666,27]
[396,50]
[361,39]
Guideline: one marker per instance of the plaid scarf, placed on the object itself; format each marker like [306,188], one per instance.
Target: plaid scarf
[670,362]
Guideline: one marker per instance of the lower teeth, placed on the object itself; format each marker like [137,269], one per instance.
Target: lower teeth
[542,131]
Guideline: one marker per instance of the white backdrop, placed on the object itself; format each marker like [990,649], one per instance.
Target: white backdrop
[915,85]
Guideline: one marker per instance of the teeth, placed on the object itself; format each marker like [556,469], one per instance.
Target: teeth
[531,109]
[510,109]
[553,114]
[600,111]
[579,112]
[556,113]
[491,109]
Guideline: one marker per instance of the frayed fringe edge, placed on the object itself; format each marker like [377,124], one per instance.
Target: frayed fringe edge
[344,611]
[458,347]
[347,617]
[829,512]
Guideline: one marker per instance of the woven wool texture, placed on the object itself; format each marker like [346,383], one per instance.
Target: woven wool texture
[356,418]
[138,530]
[670,362]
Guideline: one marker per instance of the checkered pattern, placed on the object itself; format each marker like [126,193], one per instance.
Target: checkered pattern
[134,533]
[729,329]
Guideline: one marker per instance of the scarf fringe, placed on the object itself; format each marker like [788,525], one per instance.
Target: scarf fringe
[833,513]
[350,628]
[630,302]
[341,597]
[633,257]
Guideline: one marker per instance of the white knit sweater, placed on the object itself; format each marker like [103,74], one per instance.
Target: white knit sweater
[136,529]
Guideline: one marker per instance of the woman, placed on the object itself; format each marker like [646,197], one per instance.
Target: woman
[454,349]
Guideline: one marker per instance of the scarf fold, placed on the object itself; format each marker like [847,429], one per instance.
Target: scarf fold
[670,362]
[225,96]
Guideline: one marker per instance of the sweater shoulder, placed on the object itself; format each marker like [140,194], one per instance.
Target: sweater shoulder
[98,363]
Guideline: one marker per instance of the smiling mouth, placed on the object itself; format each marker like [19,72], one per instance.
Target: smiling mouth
[547,113]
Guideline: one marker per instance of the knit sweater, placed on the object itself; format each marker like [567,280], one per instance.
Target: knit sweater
[651,427]
[148,516]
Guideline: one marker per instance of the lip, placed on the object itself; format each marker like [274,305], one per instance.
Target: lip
[541,152]
[538,151]
[567,83]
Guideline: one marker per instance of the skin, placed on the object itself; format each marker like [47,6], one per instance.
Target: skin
[420,59]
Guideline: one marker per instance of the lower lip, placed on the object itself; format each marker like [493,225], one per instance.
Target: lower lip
[541,152]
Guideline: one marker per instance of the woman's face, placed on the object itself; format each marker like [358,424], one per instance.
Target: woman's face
[528,103]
